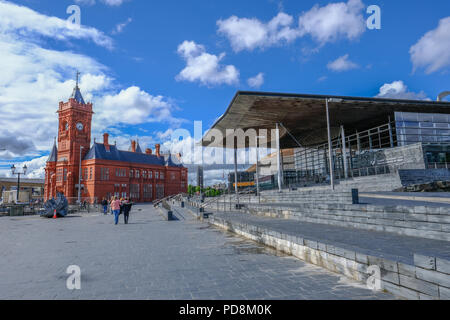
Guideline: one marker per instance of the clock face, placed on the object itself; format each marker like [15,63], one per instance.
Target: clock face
[80,126]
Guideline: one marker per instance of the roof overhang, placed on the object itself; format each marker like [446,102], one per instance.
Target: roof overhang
[304,116]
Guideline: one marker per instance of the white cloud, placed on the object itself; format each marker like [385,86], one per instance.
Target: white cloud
[132,106]
[342,64]
[35,79]
[19,19]
[323,24]
[204,67]
[432,51]
[85,2]
[257,81]
[398,90]
[11,145]
[165,135]
[121,26]
[248,34]
[114,3]
[35,168]
[334,21]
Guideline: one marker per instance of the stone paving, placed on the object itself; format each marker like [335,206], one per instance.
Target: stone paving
[380,244]
[154,259]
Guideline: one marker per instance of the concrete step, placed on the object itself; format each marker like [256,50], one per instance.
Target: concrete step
[408,267]
[422,222]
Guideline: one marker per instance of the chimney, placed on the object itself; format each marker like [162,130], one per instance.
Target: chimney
[105,141]
[133,146]
[148,151]
[158,148]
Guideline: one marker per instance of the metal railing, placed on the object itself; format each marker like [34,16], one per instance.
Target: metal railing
[24,209]
[438,165]
[160,201]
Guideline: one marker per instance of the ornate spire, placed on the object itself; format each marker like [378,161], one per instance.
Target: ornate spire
[76,91]
[78,78]
[138,147]
[54,154]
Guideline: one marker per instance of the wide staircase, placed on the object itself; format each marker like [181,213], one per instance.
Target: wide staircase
[409,244]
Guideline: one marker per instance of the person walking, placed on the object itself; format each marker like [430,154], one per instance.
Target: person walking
[122,201]
[112,199]
[126,210]
[115,208]
[105,206]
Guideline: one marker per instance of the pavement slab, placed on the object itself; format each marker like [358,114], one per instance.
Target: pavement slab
[154,259]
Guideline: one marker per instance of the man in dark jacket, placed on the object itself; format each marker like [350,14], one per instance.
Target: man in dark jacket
[105,206]
[126,210]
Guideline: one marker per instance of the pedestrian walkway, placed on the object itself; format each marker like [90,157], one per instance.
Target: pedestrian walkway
[150,258]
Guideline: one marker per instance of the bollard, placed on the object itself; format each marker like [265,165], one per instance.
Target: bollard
[355,196]
[170,216]
[182,204]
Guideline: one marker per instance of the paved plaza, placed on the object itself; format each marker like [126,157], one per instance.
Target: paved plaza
[153,259]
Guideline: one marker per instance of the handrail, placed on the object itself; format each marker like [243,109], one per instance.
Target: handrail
[155,204]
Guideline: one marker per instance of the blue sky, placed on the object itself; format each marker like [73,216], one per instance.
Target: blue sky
[152,66]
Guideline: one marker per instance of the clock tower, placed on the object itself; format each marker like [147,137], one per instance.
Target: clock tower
[74,136]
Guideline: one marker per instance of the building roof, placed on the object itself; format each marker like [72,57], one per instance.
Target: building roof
[138,148]
[99,152]
[22,180]
[54,154]
[304,115]
[76,94]
[170,162]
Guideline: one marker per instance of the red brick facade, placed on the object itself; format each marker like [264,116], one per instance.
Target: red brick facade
[151,177]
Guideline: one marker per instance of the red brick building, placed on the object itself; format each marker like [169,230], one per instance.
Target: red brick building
[106,171]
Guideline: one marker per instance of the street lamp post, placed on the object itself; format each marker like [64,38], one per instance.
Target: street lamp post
[79,177]
[18,174]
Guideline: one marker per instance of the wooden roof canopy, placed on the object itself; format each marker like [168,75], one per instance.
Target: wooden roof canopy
[304,116]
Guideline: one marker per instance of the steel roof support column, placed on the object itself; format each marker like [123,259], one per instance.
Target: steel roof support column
[280,177]
[344,152]
[391,136]
[330,148]
[257,166]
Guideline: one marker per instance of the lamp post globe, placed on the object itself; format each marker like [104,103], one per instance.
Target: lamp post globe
[18,174]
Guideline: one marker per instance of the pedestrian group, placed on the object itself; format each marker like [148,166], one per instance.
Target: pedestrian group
[118,207]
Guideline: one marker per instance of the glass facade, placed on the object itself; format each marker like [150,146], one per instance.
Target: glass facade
[427,128]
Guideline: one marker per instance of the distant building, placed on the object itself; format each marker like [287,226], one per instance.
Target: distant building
[337,138]
[106,171]
[33,187]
